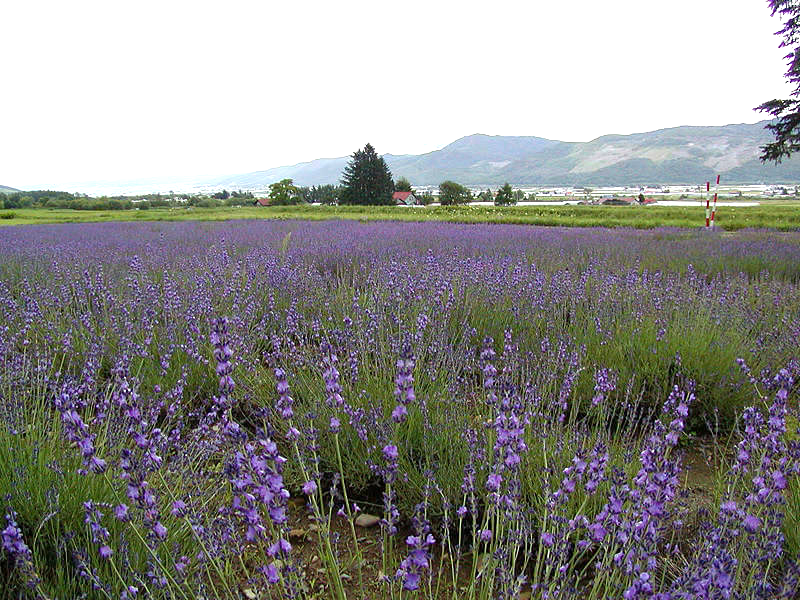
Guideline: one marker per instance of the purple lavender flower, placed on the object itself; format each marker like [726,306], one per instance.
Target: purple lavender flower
[335,425]
[284,403]
[493,482]
[121,512]
[605,382]
[390,453]
[751,523]
[330,375]
[416,562]
[14,544]
[178,508]
[159,530]
[404,385]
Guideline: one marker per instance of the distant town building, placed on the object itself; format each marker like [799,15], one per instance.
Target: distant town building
[407,198]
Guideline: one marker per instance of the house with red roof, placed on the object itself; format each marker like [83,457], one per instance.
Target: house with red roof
[626,201]
[261,202]
[406,198]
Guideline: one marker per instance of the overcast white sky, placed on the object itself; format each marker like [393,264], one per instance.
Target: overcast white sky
[117,90]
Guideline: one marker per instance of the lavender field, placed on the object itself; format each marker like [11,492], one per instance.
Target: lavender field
[398,410]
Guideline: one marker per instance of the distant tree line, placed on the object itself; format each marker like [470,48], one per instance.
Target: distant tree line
[324,194]
[77,201]
[240,195]
[452,193]
[365,181]
[283,192]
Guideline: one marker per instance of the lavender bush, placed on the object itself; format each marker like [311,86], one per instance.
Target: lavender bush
[218,410]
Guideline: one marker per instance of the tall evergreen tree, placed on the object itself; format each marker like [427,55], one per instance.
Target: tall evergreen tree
[367,179]
[786,126]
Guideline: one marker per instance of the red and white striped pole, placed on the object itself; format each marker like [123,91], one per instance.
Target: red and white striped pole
[714,210]
[708,211]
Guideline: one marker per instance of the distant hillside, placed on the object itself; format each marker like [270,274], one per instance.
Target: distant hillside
[475,158]
[675,155]
[666,156]
[316,172]
[7,190]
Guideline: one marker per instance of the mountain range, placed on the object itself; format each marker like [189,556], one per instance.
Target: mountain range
[667,156]
[7,190]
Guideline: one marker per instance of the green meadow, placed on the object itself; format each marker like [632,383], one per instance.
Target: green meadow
[782,216]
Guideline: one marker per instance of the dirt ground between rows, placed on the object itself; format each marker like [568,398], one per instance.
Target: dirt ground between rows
[700,462]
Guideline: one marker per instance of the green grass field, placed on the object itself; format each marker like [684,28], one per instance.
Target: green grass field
[781,216]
